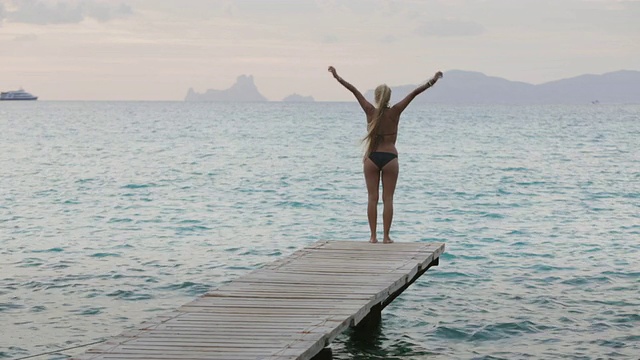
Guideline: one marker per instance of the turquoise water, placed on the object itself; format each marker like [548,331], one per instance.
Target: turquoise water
[114,213]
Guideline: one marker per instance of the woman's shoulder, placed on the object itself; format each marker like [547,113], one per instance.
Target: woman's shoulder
[392,113]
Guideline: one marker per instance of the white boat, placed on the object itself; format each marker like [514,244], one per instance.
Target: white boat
[17,95]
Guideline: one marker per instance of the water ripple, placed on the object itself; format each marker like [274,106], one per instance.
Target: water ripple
[113,213]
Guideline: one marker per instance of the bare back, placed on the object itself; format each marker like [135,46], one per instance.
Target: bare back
[387,131]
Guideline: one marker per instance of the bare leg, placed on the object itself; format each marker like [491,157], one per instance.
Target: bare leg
[389,180]
[372,179]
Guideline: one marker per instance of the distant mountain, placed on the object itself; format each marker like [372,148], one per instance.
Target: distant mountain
[615,87]
[298,98]
[466,87]
[244,90]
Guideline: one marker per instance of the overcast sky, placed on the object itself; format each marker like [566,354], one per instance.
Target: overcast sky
[157,49]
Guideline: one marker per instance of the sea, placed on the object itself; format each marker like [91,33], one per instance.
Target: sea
[113,213]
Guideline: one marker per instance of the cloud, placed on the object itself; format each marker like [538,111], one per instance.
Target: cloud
[272,7]
[388,39]
[65,12]
[103,12]
[26,38]
[330,39]
[450,28]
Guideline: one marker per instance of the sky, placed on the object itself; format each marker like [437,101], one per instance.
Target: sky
[158,49]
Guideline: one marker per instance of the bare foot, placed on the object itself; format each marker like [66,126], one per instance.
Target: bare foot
[387,241]
[373,240]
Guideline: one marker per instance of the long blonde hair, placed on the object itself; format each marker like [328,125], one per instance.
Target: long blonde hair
[382,97]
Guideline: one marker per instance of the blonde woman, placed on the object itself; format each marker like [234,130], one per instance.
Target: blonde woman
[381,155]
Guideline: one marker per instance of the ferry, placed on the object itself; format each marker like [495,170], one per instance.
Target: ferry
[17,95]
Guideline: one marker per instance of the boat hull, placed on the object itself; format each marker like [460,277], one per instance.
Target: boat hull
[26,99]
[17,95]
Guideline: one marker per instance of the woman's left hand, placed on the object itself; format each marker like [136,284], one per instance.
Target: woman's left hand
[333,71]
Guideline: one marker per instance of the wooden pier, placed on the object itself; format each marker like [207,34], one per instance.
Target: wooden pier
[290,309]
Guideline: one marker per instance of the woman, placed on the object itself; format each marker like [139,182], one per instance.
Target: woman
[381,156]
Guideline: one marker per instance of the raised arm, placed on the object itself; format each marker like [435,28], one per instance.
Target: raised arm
[401,105]
[366,106]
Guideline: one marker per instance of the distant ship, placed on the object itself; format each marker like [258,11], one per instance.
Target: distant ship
[17,95]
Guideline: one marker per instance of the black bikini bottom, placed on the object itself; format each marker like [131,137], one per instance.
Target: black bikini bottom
[382,158]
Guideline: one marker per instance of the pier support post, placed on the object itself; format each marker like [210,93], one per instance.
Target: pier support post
[411,281]
[324,354]
[374,317]
[372,320]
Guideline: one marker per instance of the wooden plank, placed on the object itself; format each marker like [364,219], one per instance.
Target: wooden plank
[289,309]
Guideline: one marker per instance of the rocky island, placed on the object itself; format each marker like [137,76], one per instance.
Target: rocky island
[298,98]
[244,90]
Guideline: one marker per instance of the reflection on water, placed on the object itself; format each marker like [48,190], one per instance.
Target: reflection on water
[369,342]
[365,343]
